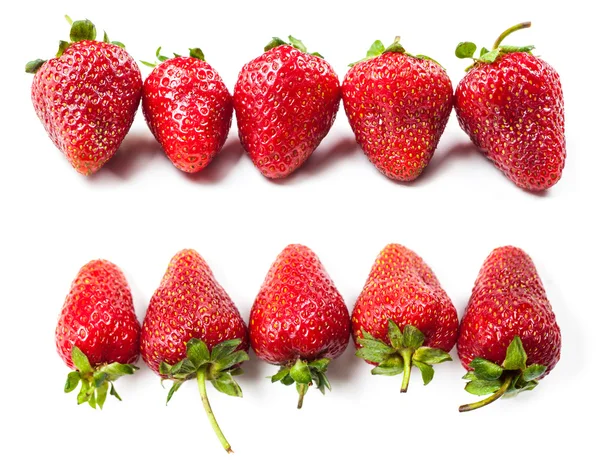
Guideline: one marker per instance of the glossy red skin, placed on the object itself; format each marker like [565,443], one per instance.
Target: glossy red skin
[285,103]
[513,111]
[188,109]
[403,288]
[98,317]
[298,312]
[189,303]
[398,107]
[86,100]
[509,300]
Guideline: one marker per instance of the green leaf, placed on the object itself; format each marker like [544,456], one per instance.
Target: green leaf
[113,392]
[34,65]
[319,365]
[287,380]
[376,49]
[300,372]
[83,395]
[236,371]
[92,399]
[105,38]
[283,372]
[82,30]
[68,18]
[232,359]
[317,54]
[490,56]
[100,378]
[533,372]
[174,388]
[469,376]
[164,368]
[296,43]
[323,383]
[196,53]
[274,43]
[224,383]
[374,353]
[116,370]
[101,394]
[429,58]
[516,358]
[118,43]
[529,386]
[390,367]
[465,49]
[395,335]
[223,348]
[431,356]
[62,47]
[80,360]
[197,352]
[426,371]
[485,370]
[72,381]
[483,387]
[413,337]
[484,50]
[147,63]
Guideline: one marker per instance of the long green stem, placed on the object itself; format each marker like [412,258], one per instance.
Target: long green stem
[512,29]
[407,358]
[302,389]
[201,378]
[486,401]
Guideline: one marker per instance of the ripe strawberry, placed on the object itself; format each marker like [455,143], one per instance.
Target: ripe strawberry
[511,104]
[403,317]
[98,334]
[285,103]
[188,109]
[398,106]
[299,320]
[86,97]
[508,338]
[193,330]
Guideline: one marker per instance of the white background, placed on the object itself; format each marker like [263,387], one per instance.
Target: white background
[139,210]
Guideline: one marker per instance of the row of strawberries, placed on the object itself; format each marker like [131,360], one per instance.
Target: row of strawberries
[508,338]
[510,103]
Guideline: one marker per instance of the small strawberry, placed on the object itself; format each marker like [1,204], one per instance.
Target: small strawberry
[403,317]
[285,103]
[398,106]
[193,330]
[86,97]
[98,334]
[511,104]
[299,320]
[188,109]
[508,338]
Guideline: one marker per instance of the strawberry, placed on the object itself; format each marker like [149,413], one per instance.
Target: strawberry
[193,330]
[403,317]
[285,103]
[508,338]
[510,103]
[98,335]
[86,97]
[398,106]
[299,320]
[188,109]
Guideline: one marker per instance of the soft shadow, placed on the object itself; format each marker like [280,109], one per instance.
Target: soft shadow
[221,165]
[345,367]
[137,149]
[254,368]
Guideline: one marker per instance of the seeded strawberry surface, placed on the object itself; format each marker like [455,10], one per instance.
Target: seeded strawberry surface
[285,102]
[189,303]
[86,100]
[398,107]
[188,109]
[98,317]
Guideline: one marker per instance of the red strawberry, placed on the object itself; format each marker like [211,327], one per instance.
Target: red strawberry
[508,338]
[511,104]
[398,106]
[285,103]
[193,330]
[403,316]
[98,334]
[299,320]
[86,97]
[188,109]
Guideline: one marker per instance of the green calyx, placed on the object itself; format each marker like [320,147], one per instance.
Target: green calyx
[194,53]
[219,366]
[304,374]
[96,383]
[80,30]
[508,379]
[405,350]
[378,48]
[295,42]
[467,49]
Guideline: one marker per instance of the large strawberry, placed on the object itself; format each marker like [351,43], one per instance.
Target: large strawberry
[508,338]
[403,317]
[285,103]
[188,109]
[193,330]
[511,104]
[398,106]
[98,334]
[299,320]
[86,97]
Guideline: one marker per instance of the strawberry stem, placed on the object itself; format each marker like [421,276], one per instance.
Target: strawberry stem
[407,358]
[302,389]
[201,378]
[492,398]
[512,29]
